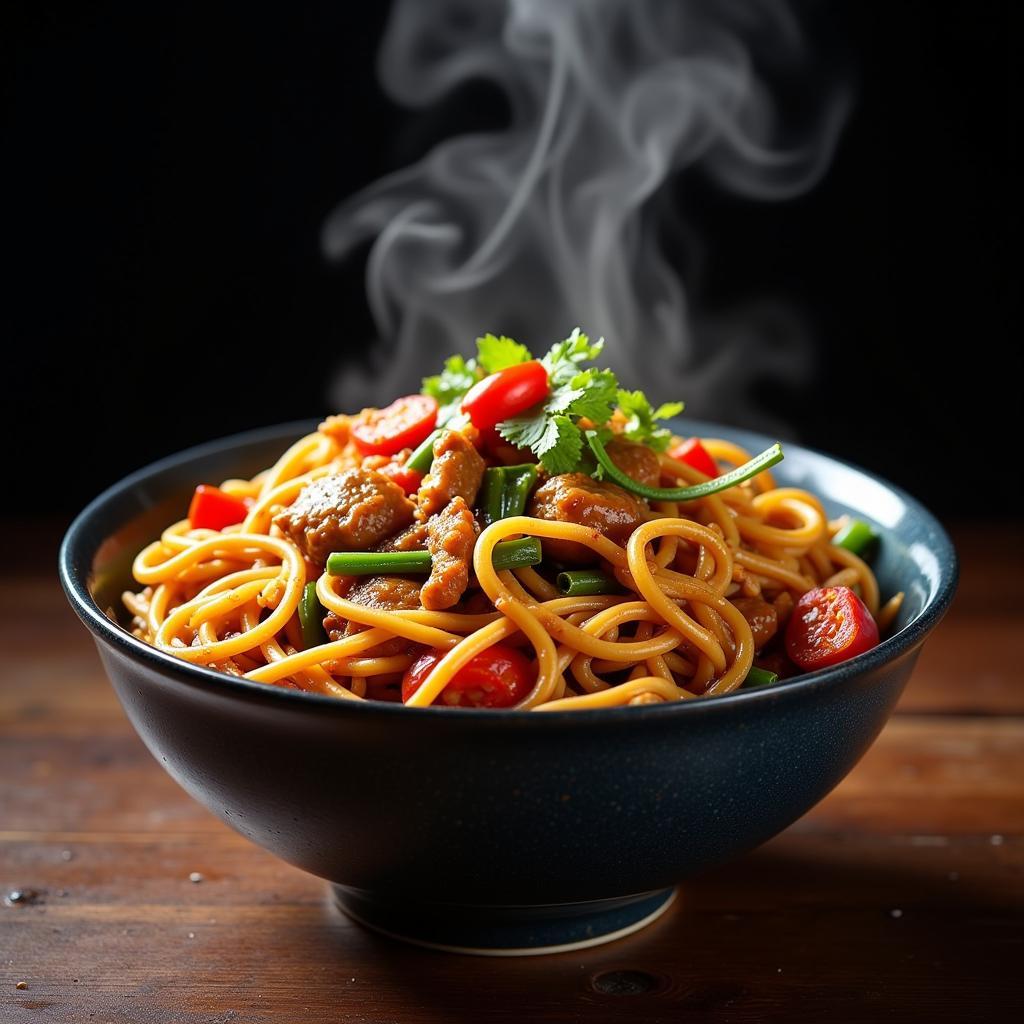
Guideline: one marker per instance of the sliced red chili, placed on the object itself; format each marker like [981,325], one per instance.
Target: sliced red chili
[408,479]
[213,509]
[496,678]
[694,454]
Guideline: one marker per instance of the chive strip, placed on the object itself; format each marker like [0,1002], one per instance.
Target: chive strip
[577,583]
[421,459]
[855,536]
[769,457]
[311,615]
[492,495]
[505,491]
[516,554]
[519,481]
[508,554]
[759,677]
[370,563]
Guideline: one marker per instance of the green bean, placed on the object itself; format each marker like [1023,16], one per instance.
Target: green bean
[311,615]
[492,495]
[508,554]
[579,582]
[519,481]
[758,677]
[856,536]
[421,459]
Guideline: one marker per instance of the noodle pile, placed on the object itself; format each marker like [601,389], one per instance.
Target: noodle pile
[229,599]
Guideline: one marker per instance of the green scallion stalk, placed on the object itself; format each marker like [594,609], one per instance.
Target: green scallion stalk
[758,677]
[516,554]
[508,554]
[769,457]
[855,536]
[311,615]
[372,563]
[421,459]
[581,582]
[519,481]
[492,495]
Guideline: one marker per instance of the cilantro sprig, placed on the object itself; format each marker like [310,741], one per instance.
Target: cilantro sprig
[640,419]
[552,429]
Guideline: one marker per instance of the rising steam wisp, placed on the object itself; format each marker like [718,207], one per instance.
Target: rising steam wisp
[555,220]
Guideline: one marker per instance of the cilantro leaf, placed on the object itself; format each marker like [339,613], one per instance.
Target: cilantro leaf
[597,393]
[562,362]
[496,353]
[554,439]
[550,429]
[641,419]
[450,385]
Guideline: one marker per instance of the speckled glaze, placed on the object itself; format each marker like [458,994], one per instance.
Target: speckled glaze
[491,829]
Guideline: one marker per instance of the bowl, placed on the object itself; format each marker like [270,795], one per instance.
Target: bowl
[502,831]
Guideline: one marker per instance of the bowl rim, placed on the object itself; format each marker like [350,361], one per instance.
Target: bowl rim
[75,567]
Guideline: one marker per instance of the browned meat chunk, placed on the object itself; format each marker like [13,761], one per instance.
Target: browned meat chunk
[456,472]
[451,535]
[600,506]
[350,511]
[636,460]
[412,539]
[763,618]
[388,593]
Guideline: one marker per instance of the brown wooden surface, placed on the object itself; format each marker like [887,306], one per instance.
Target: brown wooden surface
[899,898]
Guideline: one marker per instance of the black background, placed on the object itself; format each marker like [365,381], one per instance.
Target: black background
[169,168]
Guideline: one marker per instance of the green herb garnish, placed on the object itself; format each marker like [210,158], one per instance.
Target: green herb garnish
[768,458]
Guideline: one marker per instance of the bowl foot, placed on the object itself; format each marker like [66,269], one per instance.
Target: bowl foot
[505,931]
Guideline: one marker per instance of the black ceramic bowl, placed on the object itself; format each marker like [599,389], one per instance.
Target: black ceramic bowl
[502,830]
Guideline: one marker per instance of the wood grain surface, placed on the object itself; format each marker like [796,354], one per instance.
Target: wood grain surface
[899,898]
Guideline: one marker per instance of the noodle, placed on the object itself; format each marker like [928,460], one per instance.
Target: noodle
[229,598]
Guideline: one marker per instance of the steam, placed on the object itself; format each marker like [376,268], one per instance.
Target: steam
[558,219]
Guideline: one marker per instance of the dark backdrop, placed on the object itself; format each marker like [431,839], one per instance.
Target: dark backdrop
[168,169]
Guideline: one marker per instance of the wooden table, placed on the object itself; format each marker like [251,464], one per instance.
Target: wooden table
[899,898]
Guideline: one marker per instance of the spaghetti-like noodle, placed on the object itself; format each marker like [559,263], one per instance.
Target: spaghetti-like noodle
[229,599]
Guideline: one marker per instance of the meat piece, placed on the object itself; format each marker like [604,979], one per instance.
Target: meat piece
[350,511]
[762,616]
[413,538]
[456,472]
[596,504]
[388,593]
[451,535]
[636,461]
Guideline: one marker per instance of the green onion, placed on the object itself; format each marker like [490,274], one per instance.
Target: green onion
[758,677]
[370,563]
[421,459]
[519,481]
[505,491]
[855,536]
[492,495]
[577,583]
[311,615]
[769,457]
[516,554]
[508,554]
